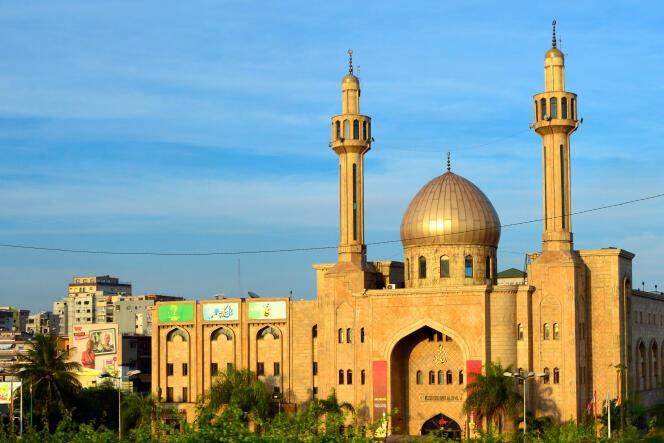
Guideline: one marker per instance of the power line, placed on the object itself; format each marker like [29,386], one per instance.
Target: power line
[304,249]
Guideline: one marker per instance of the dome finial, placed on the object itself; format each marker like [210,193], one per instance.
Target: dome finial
[449,161]
[553,37]
[350,61]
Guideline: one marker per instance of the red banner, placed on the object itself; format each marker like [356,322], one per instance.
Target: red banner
[379,388]
[473,367]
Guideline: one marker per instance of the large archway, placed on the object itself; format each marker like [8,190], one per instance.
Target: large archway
[427,378]
[442,426]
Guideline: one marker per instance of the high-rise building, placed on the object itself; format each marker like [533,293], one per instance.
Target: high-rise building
[45,323]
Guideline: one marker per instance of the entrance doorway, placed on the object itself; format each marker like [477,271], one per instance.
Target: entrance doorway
[443,426]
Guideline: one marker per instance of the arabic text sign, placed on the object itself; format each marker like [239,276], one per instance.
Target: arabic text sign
[180,312]
[267,310]
[220,311]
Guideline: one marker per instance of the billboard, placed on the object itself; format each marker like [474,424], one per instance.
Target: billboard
[267,310]
[6,390]
[220,311]
[176,312]
[95,347]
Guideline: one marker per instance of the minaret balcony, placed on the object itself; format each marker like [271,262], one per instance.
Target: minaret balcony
[351,129]
[555,108]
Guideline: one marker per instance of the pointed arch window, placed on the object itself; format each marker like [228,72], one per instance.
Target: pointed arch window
[655,365]
[554,107]
[364,130]
[448,377]
[349,335]
[444,266]
[418,378]
[340,334]
[363,376]
[337,125]
[563,107]
[543,107]
[441,378]
[347,129]
[341,376]
[349,377]
[556,331]
[468,266]
[572,111]
[432,377]
[461,377]
[546,376]
[519,332]
[422,267]
[356,129]
[361,335]
[546,331]
[556,376]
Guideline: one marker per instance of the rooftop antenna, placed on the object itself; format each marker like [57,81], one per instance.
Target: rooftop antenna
[553,37]
[449,161]
[350,61]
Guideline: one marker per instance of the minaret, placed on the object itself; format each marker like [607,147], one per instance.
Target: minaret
[555,121]
[351,139]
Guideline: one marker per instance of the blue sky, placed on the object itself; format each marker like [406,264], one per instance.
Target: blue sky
[197,126]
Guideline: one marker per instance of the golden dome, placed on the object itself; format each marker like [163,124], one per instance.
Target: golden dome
[450,210]
[554,52]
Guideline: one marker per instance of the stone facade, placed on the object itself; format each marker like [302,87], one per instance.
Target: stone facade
[410,336]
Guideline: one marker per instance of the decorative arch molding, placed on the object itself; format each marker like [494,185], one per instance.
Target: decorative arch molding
[222,332]
[272,330]
[404,332]
[177,332]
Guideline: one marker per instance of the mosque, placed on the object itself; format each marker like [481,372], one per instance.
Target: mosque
[405,338]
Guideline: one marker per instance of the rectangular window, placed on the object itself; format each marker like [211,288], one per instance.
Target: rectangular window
[214,369]
[554,107]
[185,369]
[315,368]
[277,369]
[185,396]
[169,395]
[260,368]
[169,368]
[444,267]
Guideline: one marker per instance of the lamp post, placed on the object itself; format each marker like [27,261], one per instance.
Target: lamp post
[129,376]
[524,378]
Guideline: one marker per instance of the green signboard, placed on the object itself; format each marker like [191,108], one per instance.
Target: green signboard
[267,310]
[176,312]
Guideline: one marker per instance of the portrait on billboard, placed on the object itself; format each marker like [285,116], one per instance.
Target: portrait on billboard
[103,341]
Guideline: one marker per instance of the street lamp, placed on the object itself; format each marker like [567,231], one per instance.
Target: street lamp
[524,378]
[130,375]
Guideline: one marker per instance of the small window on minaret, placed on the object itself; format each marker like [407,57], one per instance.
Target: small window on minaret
[364,130]
[423,267]
[346,129]
[356,129]
[563,107]
[543,107]
[338,126]
[554,107]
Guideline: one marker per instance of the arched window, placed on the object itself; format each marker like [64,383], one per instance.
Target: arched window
[314,331]
[468,266]
[556,331]
[364,130]
[444,266]
[563,107]
[441,378]
[556,376]
[341,376]
[349,335]
[176,333]
[423,267]
[349,377]
[546,376]
[341,335]
[418,378]
[537,114]
[572,111]
[346,129]
[361,335]
[337,125]
[642,366]
[407,270]
[519,331]
[432,377]
[543,107]
[461,377]
[487,266]
[655,366]
[547,331]
[448,377]
[221,332]
[356,129]
[554,107]
[363,376]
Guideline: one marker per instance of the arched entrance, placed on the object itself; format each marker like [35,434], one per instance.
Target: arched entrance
[442,426]
[427,379]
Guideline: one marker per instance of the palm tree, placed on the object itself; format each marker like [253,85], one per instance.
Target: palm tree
[48,371]
[137,410]
[491,394]
[239,388]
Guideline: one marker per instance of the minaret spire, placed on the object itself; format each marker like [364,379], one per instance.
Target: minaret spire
[553,36]
[350,61]
[449,161]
